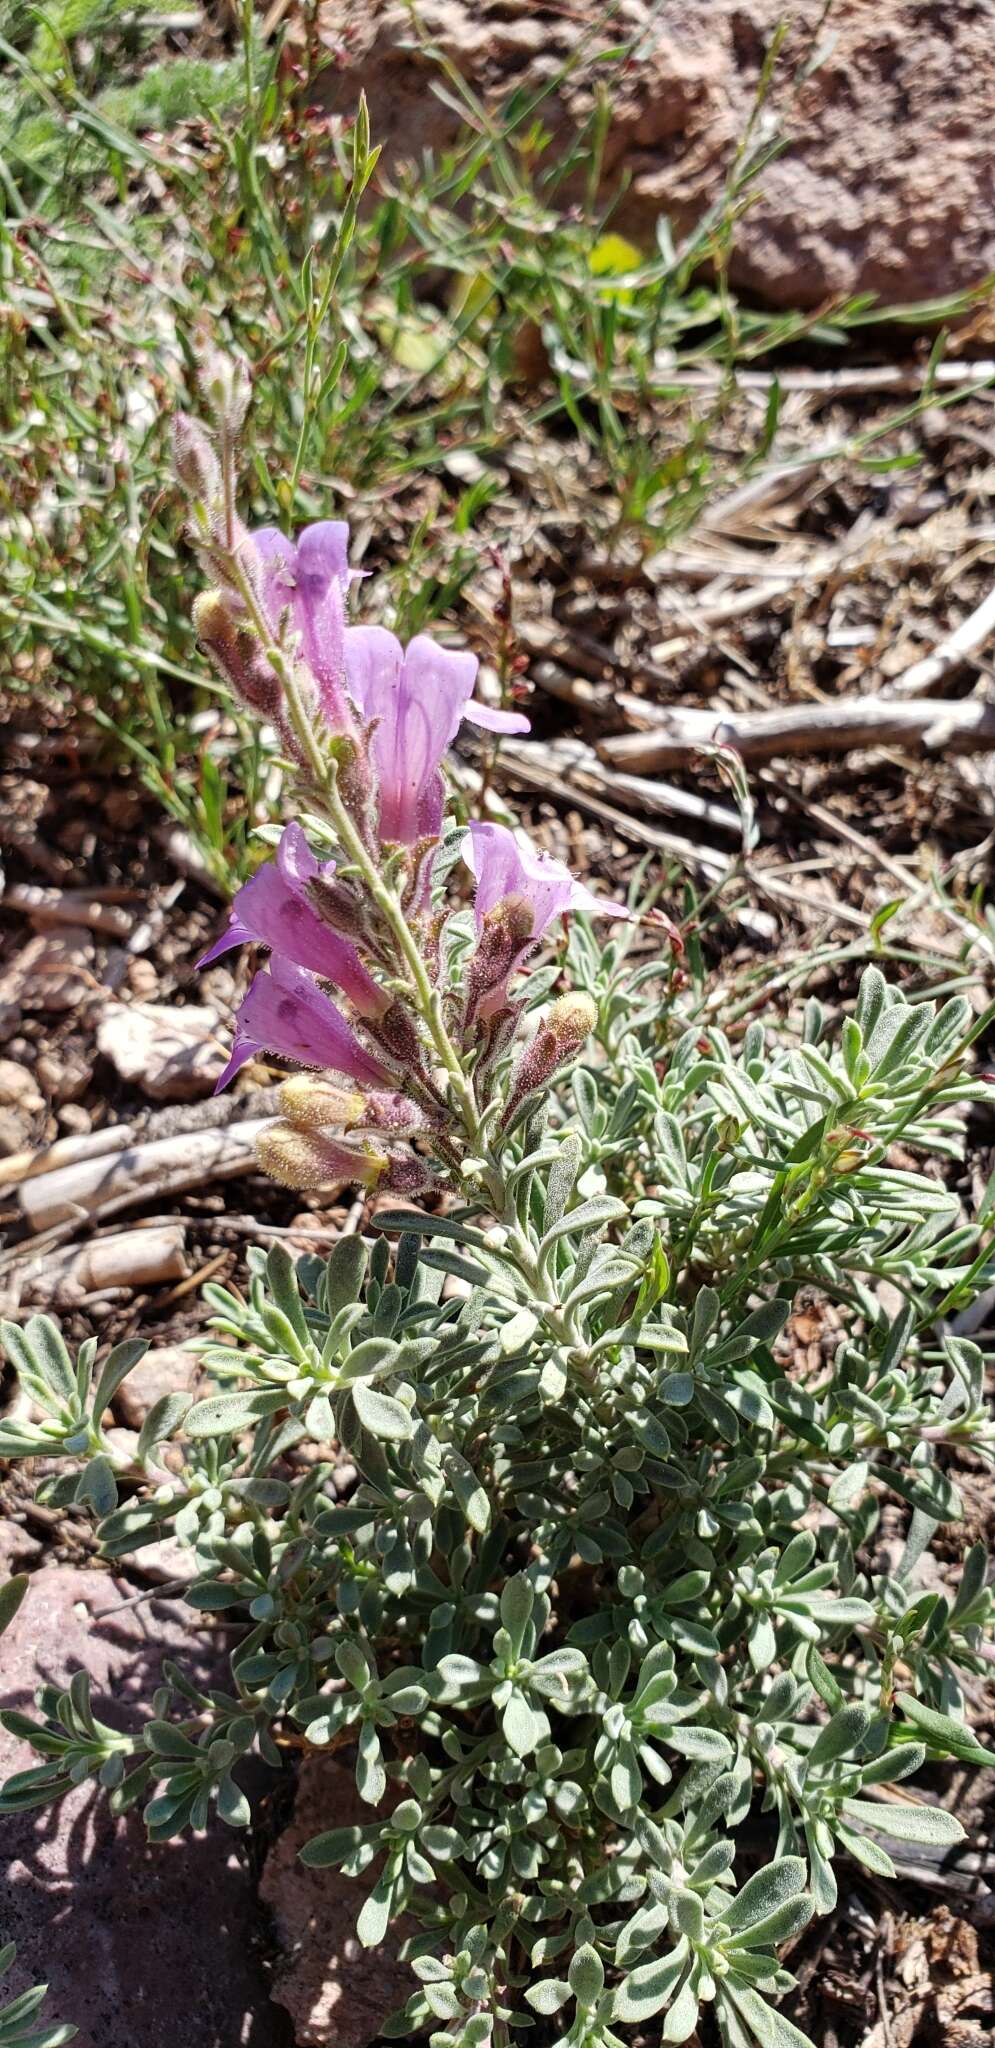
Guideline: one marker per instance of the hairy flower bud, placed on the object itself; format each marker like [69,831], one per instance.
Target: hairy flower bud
[505,935]
[226,386]
[318,1105]
[560,1035]
[237,653]
[195,464]
[307,1159]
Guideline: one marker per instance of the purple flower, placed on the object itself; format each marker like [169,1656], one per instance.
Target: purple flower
[419,695]
[286,1012]
[274,909]
[310,577]
[519,893]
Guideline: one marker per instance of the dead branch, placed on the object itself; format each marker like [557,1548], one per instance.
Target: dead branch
[139,1173]
[925,725]
[128,1259]
[951,654]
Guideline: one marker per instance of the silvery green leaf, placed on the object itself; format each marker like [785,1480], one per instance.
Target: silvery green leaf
[522,1727]
[548,1995]
[116,1367]
[648,1989]
[380,1413]
[345,1272]
[682,2015]
[587,1977]
[11,1595]
[768,2027]
[163,1418]
[942,1732]
[841,1735]
[233,1806]
[769,1889]
[932,1825]
[593,1215]
[225,1414]
[97,1486]
[375,1914]
[517,1602]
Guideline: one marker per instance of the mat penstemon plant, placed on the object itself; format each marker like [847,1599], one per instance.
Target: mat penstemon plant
[599,1624]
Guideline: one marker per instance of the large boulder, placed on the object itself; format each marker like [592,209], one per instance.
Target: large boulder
[887,179]
[142,1947]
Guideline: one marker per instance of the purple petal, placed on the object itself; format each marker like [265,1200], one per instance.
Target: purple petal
[285,1012]
[506,866]
[319,612]
[273,909]
[491,720]
[430,699]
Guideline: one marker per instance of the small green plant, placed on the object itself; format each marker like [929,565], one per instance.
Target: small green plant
[599,1624]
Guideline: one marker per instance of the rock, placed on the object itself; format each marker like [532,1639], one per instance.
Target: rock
[50,973]
[171,1054]
[18,1089]
[885,182]
[337,1993]
[66,1074]
[140,1945]
[19,1550]
[169,1370]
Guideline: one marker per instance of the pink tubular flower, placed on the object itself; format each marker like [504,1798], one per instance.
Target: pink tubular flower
[309,577]
[519,893]
[419,696]
[274,909]
[286,1012]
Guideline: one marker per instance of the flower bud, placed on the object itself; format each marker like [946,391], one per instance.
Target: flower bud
[308,1159]
[506,932]
[560,1035]
[317,1105]
[226,387]
[236,652]
[195,464]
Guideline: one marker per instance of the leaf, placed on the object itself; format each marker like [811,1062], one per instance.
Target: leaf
[224,1414]
[766,1891]
[471,1495]
[345,1272]
[116,1367]
[11,1596]
[97,1486]
[593,1215]
[517,1602]
[587,1976]
[547,1996]
[770,2028]
[932,1825]
[39,1353]
[943,1732]
[645,1992]
[233,1806]
[927,1489]
[523,1729]
[384,1417]
[163,1418]
[842,1734]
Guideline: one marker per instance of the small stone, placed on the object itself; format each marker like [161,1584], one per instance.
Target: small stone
[75,1120]
[143,980]
[13,1132]
[337,1993]
[18,1089]
[66,1074]
[171,1054]
[170,1370]
[52,972]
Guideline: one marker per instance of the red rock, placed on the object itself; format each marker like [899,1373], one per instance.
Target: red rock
[337,1993]
[142,1947]
[884,185]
